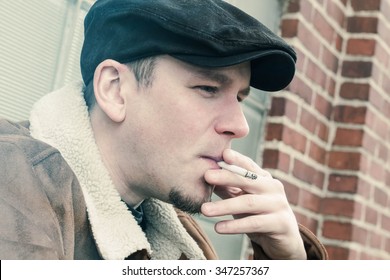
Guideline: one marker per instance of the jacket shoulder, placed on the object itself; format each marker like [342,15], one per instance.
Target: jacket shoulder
[16,136]
[41,200]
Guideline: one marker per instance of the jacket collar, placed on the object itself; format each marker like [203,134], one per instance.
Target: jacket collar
[61,119]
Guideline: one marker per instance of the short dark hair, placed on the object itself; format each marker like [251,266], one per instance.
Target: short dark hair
[143,70]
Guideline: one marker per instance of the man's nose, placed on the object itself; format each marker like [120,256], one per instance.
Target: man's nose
[232,122]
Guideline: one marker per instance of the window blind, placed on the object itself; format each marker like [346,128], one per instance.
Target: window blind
[30,39]
[72,71]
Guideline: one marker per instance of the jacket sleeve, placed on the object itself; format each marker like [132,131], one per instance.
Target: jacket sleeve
[34,224]
[315,250]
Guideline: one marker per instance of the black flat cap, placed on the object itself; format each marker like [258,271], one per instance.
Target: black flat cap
[206,33]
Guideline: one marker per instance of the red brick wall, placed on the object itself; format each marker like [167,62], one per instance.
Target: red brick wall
[328,134]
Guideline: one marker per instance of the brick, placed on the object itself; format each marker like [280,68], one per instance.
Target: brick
[371,216]
[270,158]
[359,235]
[360,24]
[323,27]
[315,73]
[348,137]
[385,9]
[284,162]
[291,111]
[354,255]
[381,127]
[293,6]
[317,153]
[338,207]
[309,200]
[343,183]
[364,188]
[308,222]
[357,91]
[386,83]
[301,61]
[322,131]
[375,240]
[337,253]
[309,40]
[334,11]
[306,10]
[382,55]
[274,131]
[323,106]
[292,192]
[330,60]
[367,256]
[276,159]
[370,144]
[383,32]
[366,5]
[380,197]
[387,245]
[301,89]
[358,211]
[376,99]
[377,171]
[385,222]
[308,121]
[337,230]
[387,182]
[278,105]
[282,107]
[294,139]
[356,69]
[350,114]
[339,42]
[344,2]
[331,86]
[289,28]
[344,160]
[308,174]
[383,152]
[365,47]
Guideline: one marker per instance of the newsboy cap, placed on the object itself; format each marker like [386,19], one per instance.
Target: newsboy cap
[205,33]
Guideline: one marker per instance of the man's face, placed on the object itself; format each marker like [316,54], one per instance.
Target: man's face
[177,128]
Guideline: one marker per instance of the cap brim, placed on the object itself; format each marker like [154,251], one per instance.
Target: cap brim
[271,70]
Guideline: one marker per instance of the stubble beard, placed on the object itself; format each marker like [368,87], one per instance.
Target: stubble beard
[187,203]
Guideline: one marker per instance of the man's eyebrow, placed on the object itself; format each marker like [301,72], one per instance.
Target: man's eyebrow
[213,76]
[219,78]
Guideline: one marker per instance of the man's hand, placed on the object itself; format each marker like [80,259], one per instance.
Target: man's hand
[259,207]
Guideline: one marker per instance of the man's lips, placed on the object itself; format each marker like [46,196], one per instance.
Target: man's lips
[213,160]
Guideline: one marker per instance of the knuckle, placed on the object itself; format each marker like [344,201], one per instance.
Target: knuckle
[278,185]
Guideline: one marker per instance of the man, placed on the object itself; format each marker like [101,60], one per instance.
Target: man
[106,170]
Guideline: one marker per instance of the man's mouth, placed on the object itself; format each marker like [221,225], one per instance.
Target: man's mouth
[213,160]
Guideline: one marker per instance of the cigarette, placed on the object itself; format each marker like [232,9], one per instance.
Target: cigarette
[237,170]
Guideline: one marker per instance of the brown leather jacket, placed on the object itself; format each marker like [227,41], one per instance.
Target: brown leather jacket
[44,214]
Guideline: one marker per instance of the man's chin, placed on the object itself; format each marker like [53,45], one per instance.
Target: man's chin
[186,203]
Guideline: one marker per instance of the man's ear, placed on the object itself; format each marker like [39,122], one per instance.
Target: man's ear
[107,88]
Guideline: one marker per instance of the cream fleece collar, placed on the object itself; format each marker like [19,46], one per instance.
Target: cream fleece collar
[61,119]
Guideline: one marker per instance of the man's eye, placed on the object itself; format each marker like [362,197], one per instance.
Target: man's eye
[208,89]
